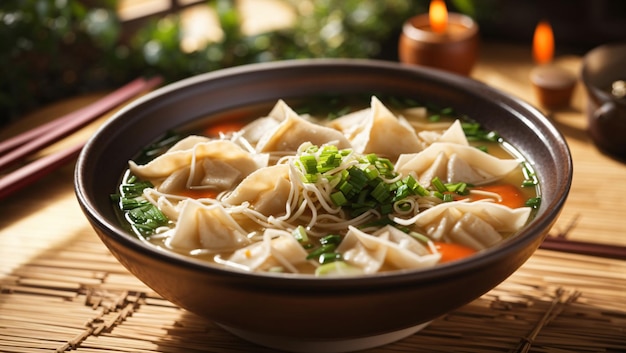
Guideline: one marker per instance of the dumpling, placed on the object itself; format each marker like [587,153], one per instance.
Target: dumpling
[277,249]
[210,228]
[453,134]
[388,245]
[188,143]
[169,207]
[294,131]
[363,252]
[255,130]
[216,164]
[453,163]
[352,123]
[379,131]
[478,225]
[267,190]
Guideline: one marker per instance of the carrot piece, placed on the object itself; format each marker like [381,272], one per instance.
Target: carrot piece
[451,251]
[511,195]
[197,193]
[224,128]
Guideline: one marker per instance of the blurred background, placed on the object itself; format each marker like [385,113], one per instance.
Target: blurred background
[52,49]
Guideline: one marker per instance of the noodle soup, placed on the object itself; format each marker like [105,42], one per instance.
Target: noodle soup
[329,188]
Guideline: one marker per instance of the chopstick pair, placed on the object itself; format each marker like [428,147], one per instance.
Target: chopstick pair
[19,147]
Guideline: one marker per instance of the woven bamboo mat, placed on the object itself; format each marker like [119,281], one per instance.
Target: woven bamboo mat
[77,297]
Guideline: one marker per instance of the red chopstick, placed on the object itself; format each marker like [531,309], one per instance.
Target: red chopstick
[35,139]
[31,141]
[36,170]
[563,244]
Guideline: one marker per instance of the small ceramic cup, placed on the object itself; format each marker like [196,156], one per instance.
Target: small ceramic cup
[553,85]
[455,51]
[603,74]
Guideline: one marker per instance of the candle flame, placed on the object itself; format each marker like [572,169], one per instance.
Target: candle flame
[438,16]
[543,43]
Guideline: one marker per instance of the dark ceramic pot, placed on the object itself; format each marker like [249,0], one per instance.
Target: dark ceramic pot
[313,314]
[606,113]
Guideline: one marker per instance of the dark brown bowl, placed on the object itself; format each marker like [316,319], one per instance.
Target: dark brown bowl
[318,314]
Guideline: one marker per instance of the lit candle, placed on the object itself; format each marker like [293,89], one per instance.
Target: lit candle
[554,85]
[447,41]
[438,16]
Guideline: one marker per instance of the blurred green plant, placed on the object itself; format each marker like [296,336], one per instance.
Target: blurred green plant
[50,49]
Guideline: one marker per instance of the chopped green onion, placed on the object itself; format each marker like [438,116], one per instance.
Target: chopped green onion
[143,217]
[337,268]
[447,111]
[157,148]
[146,218]
[402,192]
[386,208]
[534,202]
[129,190]
[381,192]
[309,162]
[329,257]
[345,187]
[474,132]
[371,173]
[438,184]
[358,178]
[530,178]
[129,204]
[300,234]
[459,188]
[330,239]
[434,118]
[321,250]
[338,198]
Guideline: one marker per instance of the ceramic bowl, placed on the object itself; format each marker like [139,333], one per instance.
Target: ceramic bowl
[304,313]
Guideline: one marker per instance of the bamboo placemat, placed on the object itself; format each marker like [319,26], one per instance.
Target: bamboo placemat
[77,297]
[61,290]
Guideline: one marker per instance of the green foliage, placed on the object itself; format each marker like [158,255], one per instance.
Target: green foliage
[50,49]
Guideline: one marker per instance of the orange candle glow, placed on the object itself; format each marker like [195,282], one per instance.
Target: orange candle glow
[440,39]
[438,15]
[543,43]
[554,85]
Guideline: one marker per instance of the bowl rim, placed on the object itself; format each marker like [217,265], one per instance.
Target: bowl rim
[544,219]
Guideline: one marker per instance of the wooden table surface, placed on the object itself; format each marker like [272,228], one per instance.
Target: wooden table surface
[42,227]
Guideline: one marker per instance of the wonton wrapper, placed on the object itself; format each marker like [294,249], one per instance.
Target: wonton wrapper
[478,225]
[454,163]
[207,227]
[378,130]
[219,165]
[254,131]
[267,190]
[387,245]
[293,131]
[453,134]
[278,248]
